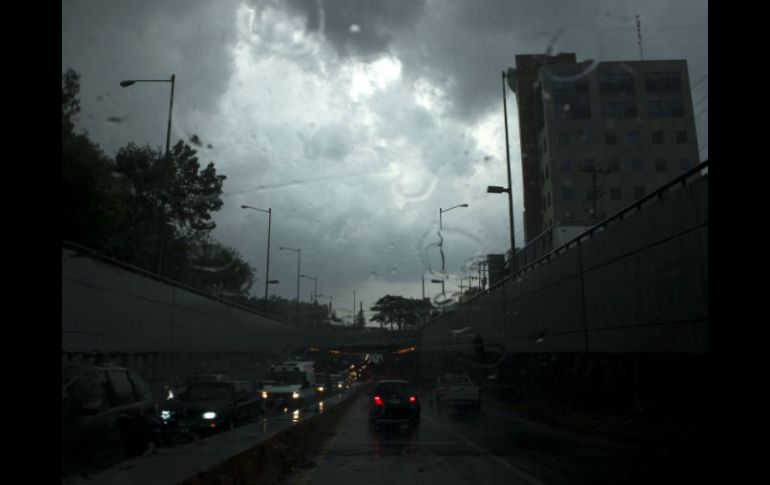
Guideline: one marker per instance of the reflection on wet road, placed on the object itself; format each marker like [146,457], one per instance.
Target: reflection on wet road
[491,448]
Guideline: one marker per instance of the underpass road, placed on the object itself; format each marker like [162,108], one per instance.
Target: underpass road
[493,447]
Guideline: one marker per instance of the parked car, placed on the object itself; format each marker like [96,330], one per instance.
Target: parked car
[108,415]
[457,391]
[394,402]
[206,407]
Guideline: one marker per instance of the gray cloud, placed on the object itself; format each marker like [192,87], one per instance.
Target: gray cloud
[360,28]
[300,119]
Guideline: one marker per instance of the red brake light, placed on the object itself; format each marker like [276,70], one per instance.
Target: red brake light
[378,401]
[412,399]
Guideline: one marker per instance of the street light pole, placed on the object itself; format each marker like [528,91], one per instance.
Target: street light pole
[441,243]
[315,285]
[130,82]
[510,186]
[267,264]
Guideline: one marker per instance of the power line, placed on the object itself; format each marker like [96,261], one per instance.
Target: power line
[702,100]
[702,79]
[706,109]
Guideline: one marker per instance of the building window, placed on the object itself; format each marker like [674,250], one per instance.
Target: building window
[615,193]
[633,137]
[663,82]
[567,193]
[636,164]
[610,138]
[619,109]
[563,139]
[681,136]
[588,164]
[657,136]
[566,166]
[665,109]
[613,165]
[584,137]
[611,82]
[639,192]
[684,164]
[661,165]
[571,99]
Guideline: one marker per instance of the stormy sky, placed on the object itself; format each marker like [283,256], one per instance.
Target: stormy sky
[355,121]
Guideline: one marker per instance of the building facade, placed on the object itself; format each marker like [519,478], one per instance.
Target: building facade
[595,137]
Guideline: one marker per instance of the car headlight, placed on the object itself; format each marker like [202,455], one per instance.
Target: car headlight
[295,395]
[320,388]
[209,415]
[264,394]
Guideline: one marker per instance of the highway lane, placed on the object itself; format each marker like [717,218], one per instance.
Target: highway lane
[494,447]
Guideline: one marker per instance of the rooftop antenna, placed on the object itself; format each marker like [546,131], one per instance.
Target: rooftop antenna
[639,35]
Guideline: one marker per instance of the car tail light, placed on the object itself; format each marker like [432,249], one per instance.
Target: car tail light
[378,401]
[412,399]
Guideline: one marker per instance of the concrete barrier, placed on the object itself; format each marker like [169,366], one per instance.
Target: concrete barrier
[273,459]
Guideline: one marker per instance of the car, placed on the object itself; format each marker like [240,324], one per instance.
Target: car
[338,382]
[457,391]
[394,402]
[209,406]
[108,415]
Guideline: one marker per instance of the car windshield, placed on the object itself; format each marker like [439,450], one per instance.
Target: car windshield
[497,207]
[455,379]
[210,392]
[286,377]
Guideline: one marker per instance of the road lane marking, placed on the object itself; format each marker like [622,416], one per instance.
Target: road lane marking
[505,464]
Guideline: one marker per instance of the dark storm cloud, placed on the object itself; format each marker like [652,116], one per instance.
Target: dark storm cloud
[465,46]
[107,42]
[360,28]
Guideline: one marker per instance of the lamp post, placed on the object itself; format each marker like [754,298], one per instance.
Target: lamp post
[269,212]
[441,227]
[315,285]
[498,190]
[130,82]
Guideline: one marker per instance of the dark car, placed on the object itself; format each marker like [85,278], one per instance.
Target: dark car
[108,415]
[206,407]
[394,401]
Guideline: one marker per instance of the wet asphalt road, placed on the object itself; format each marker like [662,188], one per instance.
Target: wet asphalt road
[493,447]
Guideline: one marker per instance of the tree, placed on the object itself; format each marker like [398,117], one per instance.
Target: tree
[169,202]
[403,312]
[216,267]
[91,202]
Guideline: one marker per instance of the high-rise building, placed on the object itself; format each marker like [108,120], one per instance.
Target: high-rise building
[597,136]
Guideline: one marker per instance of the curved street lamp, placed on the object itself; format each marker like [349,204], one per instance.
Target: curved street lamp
[441,226]
[269,212]
[131,82]
[315,283]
